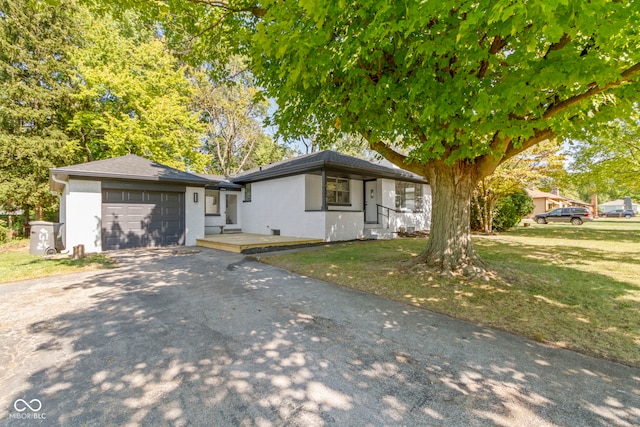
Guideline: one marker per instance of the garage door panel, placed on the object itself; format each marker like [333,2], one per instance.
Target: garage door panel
[114,211]
[172,227]
[135,196]
[154,228]
[154,197]
[137,211]
[133,226]
[133,218]
[172,211]
[113,196]
[172,241]
[172,197]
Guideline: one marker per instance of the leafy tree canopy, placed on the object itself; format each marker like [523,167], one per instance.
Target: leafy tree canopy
[469,81]
[133,96]
[607,160]
[234,114]
[35,74]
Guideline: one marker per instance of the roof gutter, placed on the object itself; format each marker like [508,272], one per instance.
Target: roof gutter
[61,182]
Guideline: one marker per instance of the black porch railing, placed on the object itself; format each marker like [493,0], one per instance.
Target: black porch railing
[384,214]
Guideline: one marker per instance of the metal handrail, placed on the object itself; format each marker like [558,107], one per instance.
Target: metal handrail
[384,211]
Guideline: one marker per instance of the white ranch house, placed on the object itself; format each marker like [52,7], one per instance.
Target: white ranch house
[129,201]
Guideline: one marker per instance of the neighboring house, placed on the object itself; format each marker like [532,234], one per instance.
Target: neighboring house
[544,202]
[129,201]
[617,204]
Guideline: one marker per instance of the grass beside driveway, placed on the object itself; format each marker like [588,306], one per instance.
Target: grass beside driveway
[576,287]
[16,263]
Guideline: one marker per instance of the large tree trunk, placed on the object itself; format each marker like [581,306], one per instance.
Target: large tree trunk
[449,247]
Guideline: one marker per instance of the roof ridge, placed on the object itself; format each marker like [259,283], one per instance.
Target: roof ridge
[277,163]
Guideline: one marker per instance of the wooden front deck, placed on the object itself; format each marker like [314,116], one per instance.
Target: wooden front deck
[239,242]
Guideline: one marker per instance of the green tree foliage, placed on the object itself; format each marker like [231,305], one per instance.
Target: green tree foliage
[349,144]
[5,232]
[505,212]
[77,87]
[35,41]
[133,96]
[539,166]
[459,87]
[511,209]
[269,151]
[234,113]
[448,90]
[607,160]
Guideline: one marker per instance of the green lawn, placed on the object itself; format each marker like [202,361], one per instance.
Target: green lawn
[570,286]
[16,263]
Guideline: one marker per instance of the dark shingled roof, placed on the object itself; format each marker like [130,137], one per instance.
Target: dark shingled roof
[130,167]
[329,160]
[219,181]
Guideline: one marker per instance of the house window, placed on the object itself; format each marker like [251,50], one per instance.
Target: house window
[337,191]
[212,202]
[247,193]
[408,196]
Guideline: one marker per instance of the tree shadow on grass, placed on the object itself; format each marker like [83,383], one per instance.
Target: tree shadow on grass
[206,338]
[593,304]
[584,232]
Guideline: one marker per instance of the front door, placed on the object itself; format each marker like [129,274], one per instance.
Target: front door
[232,209]
[370,202]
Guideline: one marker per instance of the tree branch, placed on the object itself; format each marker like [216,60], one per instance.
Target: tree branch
[486,164]
[560,44]
[593,90]
[255,11]
[539,136]
[393,156]
[497,44]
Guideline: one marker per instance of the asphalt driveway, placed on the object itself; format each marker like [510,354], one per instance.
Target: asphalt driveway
[201,337]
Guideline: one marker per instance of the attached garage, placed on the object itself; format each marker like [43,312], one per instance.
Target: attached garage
[136,218]
[128,202]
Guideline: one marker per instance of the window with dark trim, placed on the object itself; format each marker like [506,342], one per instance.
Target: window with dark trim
[408,196]
[247,192]
[212,202]
[337,191]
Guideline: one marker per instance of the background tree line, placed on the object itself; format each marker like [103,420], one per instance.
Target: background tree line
[77,87]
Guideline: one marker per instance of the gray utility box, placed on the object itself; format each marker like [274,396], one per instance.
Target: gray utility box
[45,238]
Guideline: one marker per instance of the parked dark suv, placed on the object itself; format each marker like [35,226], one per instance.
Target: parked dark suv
[575,216]
[620,213]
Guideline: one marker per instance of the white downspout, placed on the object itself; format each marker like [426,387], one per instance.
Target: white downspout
[63,227]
